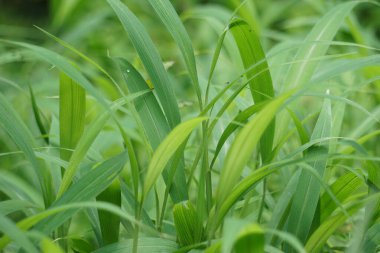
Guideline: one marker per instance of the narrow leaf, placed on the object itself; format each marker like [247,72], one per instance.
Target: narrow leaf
[167,149]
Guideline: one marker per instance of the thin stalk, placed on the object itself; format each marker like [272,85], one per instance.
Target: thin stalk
[262,202]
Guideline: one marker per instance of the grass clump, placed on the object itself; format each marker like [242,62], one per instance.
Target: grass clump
[255,134]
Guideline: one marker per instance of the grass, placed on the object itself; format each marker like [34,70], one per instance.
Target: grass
[257,133]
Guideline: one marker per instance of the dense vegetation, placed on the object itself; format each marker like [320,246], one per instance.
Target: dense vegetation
[189,126]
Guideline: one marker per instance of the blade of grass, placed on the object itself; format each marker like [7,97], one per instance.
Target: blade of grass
[307,194]
[300,73]
[261,86]
[150,59]
[169,17]
[86,188]
[343,188]
[23,138]
[155,125]
[187,223]
[145,244]
[86,141]
[241,149]
[37,116]
[325,230]
[15,234]
[250,240]
[110,223]
[166,150]
[72,112]
[64,65]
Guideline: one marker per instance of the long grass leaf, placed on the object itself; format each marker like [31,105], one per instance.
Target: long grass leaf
[86,188]
[72,112]
[169,17]
[151,60]
[23,138]
[307,194]
[15,234]
[301,72]
[251,53]
[242,147]
[64,65]
[156,126]
[166,150]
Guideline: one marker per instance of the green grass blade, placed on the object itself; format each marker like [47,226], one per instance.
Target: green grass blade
[110,223]
[83,56]
[251,53]
[15,234]
[151,60]
[37,116]
[241,118]
[327,228]
[145,244]
[250,240]
[343,188]
[16,188]
[64,65]
[241,149]
[30,221]
[166,150]
[86,141]
[48,246]
[86,188]
[307,194]
[372,239]
[169,17]
[72,112]
[187,223]
[23,138]
[301,72]
[155,125]
[79,153]
[10,206]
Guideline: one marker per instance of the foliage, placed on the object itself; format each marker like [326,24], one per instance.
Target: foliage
[190,126]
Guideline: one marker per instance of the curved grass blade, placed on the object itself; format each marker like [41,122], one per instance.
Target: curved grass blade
[169,17]
[251,53]
[87,139]
[86,188]
[155,125]
[187,223]
[15,234]
[30,221]
[167,149]
[327,228]
[301,71]
[150,59]
[64,65]
[37,116]
[145,244]
[307,194]
[10,206]
[241,149]
[23,138]
[343,188]
[16,188]
[241,118]
[250,240]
